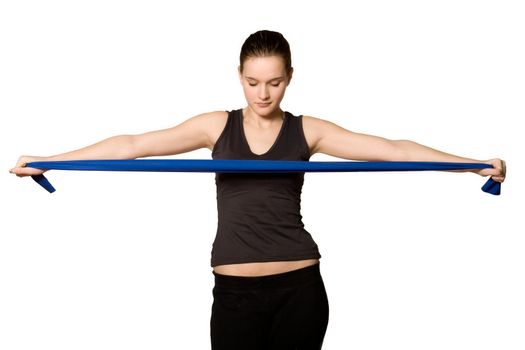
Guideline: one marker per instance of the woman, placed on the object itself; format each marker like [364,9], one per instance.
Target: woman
[268,291]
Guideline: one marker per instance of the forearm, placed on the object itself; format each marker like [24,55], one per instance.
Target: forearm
[412,151]
[116,147]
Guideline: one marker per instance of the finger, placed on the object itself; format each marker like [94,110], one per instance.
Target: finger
[22,162]
[20,171]
[17,171]
[490,172]
[498,178]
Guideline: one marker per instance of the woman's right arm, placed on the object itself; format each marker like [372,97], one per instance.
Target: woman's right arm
[197,132]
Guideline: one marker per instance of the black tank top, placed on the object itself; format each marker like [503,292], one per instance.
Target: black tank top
[259,217]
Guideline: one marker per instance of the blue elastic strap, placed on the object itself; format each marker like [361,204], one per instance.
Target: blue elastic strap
[44,182]
[251,166]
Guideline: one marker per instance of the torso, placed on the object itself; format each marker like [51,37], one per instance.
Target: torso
[260,140]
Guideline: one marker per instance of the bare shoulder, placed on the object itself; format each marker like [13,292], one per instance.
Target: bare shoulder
[310,121]
[314,127]
[317,131]
[209,122]
[212,117]
[213,123]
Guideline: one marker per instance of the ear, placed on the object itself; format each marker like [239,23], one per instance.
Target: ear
[239,72]
[289,75]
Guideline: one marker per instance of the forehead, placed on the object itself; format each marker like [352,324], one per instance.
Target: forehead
[267,67]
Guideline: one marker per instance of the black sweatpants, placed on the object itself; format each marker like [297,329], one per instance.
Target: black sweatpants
[283,311]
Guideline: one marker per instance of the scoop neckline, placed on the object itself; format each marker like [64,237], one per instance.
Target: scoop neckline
[285,114]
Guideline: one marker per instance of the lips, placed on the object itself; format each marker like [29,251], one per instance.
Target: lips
[263,105]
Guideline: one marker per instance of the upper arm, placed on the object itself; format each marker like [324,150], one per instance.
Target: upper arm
[328,138]
[197,132]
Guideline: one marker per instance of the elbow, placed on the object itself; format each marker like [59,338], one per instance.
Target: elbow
[401,150]
[126,146]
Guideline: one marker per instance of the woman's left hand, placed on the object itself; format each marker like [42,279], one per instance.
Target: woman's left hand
[498,172]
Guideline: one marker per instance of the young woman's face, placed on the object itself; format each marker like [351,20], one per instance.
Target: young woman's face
[264,81]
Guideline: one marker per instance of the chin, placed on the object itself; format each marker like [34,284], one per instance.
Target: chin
[264,111]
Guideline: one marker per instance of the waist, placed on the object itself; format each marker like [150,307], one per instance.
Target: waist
[263,268]
[295,278]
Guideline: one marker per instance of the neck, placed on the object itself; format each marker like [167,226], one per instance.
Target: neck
[263,120]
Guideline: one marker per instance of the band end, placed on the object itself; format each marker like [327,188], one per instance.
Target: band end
[492,187]
[44,182]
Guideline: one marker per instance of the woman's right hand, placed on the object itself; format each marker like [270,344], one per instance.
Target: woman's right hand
[21,170]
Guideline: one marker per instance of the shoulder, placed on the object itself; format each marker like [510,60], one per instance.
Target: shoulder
[211,116]
[308,119]
[213,124]
[210,121]
[313,130]
[318,131]
[314,125]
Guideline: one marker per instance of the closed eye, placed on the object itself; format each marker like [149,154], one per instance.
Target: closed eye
[272,84]
[275,82]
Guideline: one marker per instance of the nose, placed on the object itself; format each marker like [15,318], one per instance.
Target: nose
[264,93]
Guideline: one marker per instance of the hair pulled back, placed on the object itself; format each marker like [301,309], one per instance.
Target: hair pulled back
[266,43]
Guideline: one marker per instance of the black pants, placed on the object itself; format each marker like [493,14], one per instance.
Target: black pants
[282,311]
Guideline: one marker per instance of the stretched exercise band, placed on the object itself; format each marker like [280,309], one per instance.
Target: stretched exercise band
[251,166]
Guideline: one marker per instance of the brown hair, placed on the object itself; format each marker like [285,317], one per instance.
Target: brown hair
[266,43]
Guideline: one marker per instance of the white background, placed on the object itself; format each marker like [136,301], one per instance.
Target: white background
[121,260]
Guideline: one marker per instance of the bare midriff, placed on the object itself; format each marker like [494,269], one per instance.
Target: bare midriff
[263,268]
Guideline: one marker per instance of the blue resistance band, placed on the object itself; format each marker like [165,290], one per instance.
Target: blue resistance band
[250,166]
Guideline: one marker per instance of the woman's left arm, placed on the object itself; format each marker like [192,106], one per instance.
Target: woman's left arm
[328,138]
